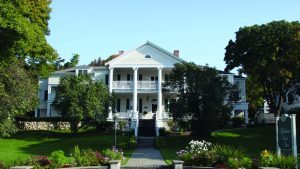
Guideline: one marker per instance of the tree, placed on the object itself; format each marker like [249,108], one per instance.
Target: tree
[270,54]
[23,27]
[254,96]
[60,63]
[78,98]
[18,94]
[204,98]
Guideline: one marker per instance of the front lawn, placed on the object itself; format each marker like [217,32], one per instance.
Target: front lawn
[29,143]
[252,140]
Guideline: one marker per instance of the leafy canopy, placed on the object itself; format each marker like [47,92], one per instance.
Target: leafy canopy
[18,94]
[79,97]
[23,30]
[204,98]
[270,54]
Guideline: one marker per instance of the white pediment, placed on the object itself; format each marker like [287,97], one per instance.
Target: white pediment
[147,55]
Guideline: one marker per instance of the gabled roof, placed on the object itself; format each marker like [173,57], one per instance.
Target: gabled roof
[146,43]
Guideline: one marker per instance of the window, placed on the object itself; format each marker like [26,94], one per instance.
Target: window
[154,78]
[147,57]
[82,72]
[118,77]
[106,79]
[140,77]
[140,106]
[118,105]
[45,95]
[127,104]
[129,77]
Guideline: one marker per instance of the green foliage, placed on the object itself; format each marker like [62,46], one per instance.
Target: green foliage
[268,159]
[18,95]
[79,97]
[86,157]
[7,127]
[237,121]
[224,152]
[59,63]
[244,162]
[270,55]
[201,97]
[58,159]
[113,154]
[255,96]
[160,142]
[23,30]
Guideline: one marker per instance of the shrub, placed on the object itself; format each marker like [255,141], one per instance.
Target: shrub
[268,159]
[133,142]
[244,162]
[42,160]
[197,153]
[86,157]
[113,154]
[46,119]
[223,153]
[237,121]
[160,142]
[58,158]
[162,131]
[1,165]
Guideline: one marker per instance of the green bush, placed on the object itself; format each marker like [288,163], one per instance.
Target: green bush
[58,159]
[244,162]
[224,152]
[86,157]
[113,154]
[46,119]
[237,121]
[268,159]
[160,142]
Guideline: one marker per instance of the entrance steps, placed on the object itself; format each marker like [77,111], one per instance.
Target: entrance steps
[145,142]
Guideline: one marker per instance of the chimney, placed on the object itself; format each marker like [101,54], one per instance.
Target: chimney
[176,53]
[121,52]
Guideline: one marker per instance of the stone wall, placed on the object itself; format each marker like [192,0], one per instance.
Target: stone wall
[43,125]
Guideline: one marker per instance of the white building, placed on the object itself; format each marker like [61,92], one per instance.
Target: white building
[136,77]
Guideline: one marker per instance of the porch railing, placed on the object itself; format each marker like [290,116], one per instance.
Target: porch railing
[145,85]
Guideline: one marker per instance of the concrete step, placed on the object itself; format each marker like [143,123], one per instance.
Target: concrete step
[145,142]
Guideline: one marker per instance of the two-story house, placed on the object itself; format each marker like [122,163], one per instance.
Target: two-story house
[136,77]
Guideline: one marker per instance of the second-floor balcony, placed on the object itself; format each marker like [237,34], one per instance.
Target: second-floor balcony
[142,85]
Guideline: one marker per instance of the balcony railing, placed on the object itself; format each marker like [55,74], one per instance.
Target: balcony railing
[144,85]
[152,85]
[122,84]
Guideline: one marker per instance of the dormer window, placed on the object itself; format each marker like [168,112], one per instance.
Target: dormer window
[147,57]
[82,72]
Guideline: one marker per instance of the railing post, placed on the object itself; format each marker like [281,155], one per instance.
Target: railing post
[177,164]
[114,164]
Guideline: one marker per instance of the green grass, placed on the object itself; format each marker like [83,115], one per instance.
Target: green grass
[252,140]
[29,143]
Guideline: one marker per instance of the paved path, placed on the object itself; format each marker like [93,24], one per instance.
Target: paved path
[146,157]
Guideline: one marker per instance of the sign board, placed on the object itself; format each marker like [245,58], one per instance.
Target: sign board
[285,132]
[286,135]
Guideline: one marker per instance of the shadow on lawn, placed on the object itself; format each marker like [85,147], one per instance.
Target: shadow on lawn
[51,141]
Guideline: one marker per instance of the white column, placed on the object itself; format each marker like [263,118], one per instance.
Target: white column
[135,112]
[111,74]
[159,94]
[246,117]
[48,101]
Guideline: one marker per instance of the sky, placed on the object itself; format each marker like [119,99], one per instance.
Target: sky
[199,29]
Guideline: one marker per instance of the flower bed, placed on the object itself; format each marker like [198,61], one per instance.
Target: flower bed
[78,158]
[205,154]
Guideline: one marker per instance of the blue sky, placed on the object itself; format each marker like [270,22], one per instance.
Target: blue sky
[199,29]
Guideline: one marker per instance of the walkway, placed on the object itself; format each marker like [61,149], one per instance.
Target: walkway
[146,157]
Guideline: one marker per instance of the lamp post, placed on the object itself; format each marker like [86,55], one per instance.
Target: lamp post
[129,133]
[115,121]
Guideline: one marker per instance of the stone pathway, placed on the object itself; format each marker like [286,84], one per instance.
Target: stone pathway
[146,157]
